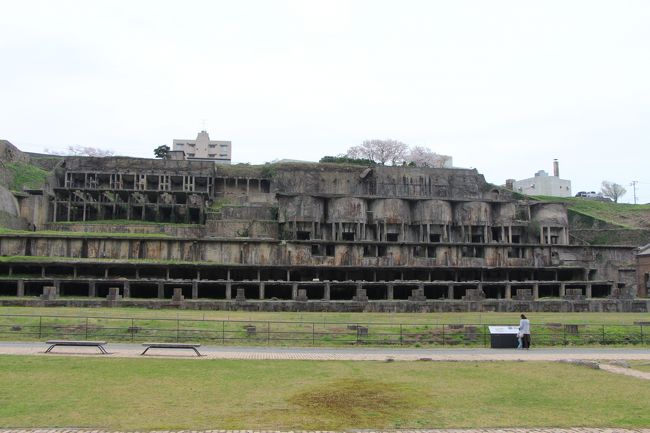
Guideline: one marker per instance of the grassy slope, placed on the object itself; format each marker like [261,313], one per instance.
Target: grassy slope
[623,215]
[147,394]
[26,175]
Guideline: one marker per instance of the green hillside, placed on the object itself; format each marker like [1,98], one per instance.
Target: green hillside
[606,223]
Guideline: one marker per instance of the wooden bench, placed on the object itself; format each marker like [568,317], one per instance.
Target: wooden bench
[172,346]
[76,343]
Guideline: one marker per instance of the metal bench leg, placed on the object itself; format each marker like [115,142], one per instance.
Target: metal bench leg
[50,348]
[145,351]
[101,348]
[197,352]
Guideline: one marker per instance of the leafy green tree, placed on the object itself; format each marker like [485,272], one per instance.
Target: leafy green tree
[162,151]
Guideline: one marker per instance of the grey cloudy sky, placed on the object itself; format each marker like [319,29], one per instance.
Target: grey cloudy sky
[502,86]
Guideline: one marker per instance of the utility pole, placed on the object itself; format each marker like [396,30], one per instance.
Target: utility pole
[633,185]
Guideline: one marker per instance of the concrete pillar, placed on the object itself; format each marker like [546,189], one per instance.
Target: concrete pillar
[508,291]
[536,291]
[548,235]
[161,290]
[92,289]
[541,234]
[126,289]
[326,295]
[261,289]
[450,291]
[588,290]
[562,289]
[294,291]
[228,289]
[390,292]
[195,289]
[20,288]
[509,234]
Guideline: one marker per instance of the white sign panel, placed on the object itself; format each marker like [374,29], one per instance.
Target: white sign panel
[503,329]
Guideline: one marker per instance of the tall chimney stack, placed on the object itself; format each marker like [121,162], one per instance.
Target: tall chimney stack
[556,168]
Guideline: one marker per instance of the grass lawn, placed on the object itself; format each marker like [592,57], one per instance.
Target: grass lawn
[147,394]
[641,366]
[362,318]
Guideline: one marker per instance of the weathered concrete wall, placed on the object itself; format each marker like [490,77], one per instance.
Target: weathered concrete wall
[472,213]
[10,212]
[35,208]
[143,165]
[163,229]
[492,305]
[643,274]
[242,229]
[301,208]
[347,209]
[432,212]
[391,211]
[604,261]
[550,214]
[8,202]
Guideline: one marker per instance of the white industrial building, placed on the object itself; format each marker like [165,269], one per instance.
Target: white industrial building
[544,184]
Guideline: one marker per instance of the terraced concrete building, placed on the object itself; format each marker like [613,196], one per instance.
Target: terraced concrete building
[317,237]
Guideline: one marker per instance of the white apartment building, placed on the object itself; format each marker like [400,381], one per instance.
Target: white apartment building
[205,149]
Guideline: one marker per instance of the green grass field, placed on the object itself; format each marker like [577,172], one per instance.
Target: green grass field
[313,329]
[416,318]
[148,394]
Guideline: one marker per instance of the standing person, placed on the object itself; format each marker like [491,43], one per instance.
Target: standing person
[524,329]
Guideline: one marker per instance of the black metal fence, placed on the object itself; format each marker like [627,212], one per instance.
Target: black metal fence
[316,333]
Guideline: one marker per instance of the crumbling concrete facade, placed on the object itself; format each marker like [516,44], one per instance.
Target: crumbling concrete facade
[308,233]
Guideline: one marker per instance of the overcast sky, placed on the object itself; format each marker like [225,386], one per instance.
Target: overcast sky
[502,86]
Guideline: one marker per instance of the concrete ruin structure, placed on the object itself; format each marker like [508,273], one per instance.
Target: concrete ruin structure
[310,237]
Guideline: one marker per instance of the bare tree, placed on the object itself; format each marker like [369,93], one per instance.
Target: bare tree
[380,151]
[81,151]
[425,157]
[612,190]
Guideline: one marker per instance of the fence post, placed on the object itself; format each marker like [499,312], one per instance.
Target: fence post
[40,326]
[603,341]
[177,326]
[484,335]
[642,338]
[357,333]
[443,335]
[564,334]
[86,328]
[132,330]
[223,332]
[401,338]
[313,333]
[268,333]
